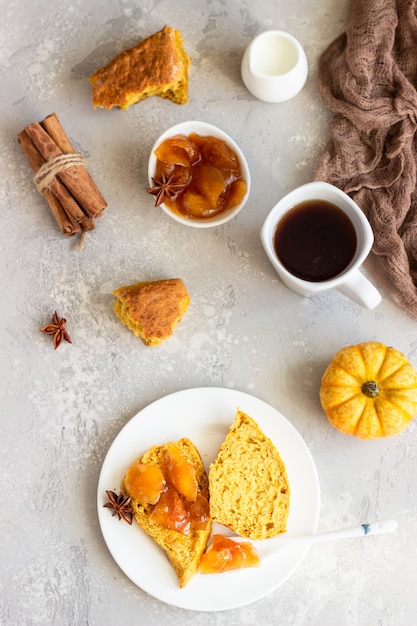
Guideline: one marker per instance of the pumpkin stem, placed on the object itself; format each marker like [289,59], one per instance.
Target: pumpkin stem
[371,389]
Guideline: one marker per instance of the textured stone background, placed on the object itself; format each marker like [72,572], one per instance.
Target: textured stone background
[61,410]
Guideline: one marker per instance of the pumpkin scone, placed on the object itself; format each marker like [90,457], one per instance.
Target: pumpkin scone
[157,66]
[173,507]
[152,309]
[249,489]
[369,390]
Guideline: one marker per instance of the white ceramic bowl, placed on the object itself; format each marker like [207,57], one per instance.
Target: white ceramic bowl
[203,129]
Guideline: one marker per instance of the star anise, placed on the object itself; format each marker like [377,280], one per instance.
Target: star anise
[166,188]
[121,505]
[57,329]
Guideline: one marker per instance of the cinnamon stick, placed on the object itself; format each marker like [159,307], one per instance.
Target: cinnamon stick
[36,161]
[53,127]
[87,224]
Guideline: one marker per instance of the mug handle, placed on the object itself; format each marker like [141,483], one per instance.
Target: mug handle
[361,290]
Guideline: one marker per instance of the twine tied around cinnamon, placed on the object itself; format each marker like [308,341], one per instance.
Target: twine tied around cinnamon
[48,172]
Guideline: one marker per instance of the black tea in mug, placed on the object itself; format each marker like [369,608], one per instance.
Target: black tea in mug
[315,240]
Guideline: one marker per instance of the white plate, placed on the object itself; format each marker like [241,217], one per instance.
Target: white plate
[204,415]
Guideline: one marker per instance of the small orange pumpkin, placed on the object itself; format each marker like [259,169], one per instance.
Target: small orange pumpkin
[369,390]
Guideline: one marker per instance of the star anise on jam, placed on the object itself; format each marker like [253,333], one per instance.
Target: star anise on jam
[166,188]
[121,506]
[58,329]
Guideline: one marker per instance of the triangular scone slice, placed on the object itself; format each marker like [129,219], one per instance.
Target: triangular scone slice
[249,490]
[183,551]
[157,66]
[152,309]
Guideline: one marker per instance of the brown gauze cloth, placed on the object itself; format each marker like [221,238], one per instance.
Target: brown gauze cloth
[368,77]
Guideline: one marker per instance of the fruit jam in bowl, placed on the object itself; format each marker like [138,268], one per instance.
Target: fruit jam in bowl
[198,175]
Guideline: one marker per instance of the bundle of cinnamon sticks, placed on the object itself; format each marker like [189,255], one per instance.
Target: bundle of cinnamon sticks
[61,176]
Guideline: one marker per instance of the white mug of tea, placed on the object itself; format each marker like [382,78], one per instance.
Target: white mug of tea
[316,238]
[274,66]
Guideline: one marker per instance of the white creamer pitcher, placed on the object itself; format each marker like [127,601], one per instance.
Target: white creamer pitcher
[274,66]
